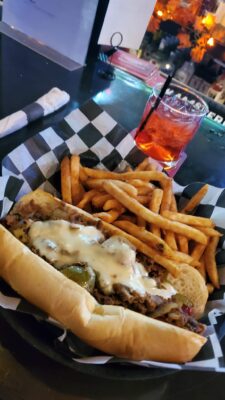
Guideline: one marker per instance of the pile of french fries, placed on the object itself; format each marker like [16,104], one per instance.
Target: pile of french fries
[142,205]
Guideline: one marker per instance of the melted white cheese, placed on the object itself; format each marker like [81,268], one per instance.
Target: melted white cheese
[63,243]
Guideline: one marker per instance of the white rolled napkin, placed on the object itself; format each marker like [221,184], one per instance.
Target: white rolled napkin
[47,104]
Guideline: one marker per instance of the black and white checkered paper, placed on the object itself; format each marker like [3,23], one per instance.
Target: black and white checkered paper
[100,141]
[9,188]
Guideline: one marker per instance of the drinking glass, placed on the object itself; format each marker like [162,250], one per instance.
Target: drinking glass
[172,125]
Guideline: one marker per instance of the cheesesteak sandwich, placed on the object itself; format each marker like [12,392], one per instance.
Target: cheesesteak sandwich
[89,276]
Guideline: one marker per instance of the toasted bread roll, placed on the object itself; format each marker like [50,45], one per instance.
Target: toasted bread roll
[110,328]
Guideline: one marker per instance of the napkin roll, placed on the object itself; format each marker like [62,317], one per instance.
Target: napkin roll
[47,104]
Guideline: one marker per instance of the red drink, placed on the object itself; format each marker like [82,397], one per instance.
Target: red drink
[171,126]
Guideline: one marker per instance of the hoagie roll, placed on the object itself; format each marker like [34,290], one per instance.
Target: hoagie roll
[87,275]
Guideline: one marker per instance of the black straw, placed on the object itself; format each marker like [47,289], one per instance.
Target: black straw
[157,102]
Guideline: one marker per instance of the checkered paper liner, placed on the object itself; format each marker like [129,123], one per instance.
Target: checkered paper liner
[100,141]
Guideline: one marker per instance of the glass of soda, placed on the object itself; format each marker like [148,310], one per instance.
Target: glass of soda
[172,125]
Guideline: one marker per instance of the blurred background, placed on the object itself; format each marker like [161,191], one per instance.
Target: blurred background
[187,38]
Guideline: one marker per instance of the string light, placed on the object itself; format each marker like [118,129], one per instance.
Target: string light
[210,42]
[159,13]
[209,21]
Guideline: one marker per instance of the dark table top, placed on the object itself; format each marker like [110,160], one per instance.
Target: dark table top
[26,373]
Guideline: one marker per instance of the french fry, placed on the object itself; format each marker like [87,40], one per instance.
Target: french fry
[143,199]
[130,218]
[98,184]
[154,206]
[195,200]
[210,262]
[182,243]
[171,240]
[188,219]
[173,205]
[81,192]
[99,200]
[201,268]
[209,231]
[151,167]
[144,175]
[129,189]
[146,165]
[167,196]
[210,288]
[105,216]
[166,205]
[142,165]
[157,243]
[88,196]
[82,175]
[111,215]
[187,259]
[168,264]
[154,241]
[155,201]
[77,189]
[75,167]
[134,206]
[142,191]
[66,180]
[141,222]
[138,183]
[128,169]
[112,203]
[198,251]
